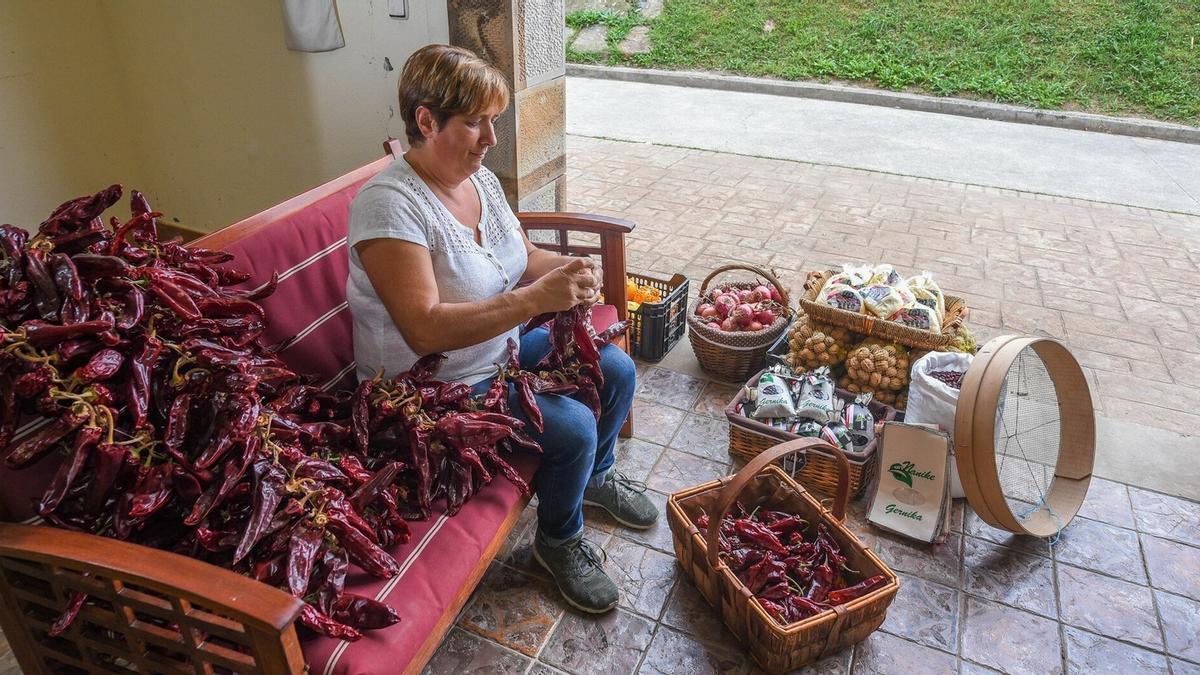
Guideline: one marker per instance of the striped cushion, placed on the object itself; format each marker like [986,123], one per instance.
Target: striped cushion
[307,315]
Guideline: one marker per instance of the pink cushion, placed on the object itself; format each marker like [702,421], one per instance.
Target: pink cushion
[436,564]
[308,311]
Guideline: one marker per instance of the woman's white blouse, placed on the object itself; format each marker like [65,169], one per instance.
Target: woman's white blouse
[396,204]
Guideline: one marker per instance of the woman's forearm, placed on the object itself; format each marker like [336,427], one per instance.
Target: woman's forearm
[456,325]
[541,262]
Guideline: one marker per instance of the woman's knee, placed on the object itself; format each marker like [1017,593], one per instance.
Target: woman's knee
[619,370]
[570,430]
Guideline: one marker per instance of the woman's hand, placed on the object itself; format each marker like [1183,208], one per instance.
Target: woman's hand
[571,284]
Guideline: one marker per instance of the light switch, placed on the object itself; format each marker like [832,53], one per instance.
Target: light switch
[398,9]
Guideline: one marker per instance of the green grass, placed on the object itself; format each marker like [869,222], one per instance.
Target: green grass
[618,25]
[1122,57]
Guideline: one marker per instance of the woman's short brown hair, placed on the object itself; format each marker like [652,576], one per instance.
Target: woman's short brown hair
[449,81]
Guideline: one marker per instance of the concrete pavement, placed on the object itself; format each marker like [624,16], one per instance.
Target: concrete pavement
[1086,165]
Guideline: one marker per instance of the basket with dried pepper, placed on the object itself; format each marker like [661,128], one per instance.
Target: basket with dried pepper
[177,428]
[791,582]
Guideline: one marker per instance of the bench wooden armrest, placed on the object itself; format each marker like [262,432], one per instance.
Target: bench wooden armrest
[611,247]
[152,609]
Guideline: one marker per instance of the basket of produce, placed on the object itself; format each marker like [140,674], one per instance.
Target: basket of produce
[790,581]
[878,301]
[812,344]
[735,323]
[657,311]
[849,423]
[879,368]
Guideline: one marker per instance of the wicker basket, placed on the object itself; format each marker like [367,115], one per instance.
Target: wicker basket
[819,470]
[774,647]
[733,357]
[891,331]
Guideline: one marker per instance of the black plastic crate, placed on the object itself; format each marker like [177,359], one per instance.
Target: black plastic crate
[655,327]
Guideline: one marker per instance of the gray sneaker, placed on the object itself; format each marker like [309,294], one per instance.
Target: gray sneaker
[577,568]
[625,500]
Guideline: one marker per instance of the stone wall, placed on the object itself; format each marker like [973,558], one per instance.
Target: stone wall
[524,39]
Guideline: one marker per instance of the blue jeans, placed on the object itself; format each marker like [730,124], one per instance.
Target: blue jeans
[577,451]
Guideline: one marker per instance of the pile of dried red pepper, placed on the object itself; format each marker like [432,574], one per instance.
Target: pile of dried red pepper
[795,569]
[180,429]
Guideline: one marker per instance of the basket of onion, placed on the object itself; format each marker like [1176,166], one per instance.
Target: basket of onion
[735,323]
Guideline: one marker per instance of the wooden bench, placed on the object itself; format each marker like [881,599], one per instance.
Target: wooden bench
[160,612]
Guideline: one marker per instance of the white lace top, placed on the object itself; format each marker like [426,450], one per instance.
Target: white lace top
[397,204]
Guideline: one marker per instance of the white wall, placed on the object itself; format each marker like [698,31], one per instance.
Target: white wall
[63,130]
[215,118]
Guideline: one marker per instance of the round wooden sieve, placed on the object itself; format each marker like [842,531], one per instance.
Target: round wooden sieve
[1025,435]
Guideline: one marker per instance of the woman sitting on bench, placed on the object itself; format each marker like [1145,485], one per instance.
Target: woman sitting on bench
[439,263]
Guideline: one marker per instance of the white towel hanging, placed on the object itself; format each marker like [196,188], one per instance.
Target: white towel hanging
[312,25]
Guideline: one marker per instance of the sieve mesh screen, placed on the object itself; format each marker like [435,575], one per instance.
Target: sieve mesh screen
[1027,434]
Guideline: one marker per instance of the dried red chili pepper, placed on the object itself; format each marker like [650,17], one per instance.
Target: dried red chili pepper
[774,610]
[305,546]
[269,488]
[81,450]
[756,534]
[529,402]
[36,445]
[822,583]
[151,491]
[801,607]
[45,293]
[843,595]
[109,458]
[362,551]
[185,484]
[313,618]
[101,366]
[64,620]
[35,382]
[330,577]
[139,381]
[464,431]
[79,212]
[109,267]
[787,526]
[370,490]
[176,430]
[41,334]
[363,613]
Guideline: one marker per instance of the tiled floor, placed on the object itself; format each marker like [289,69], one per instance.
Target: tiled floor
[1119,592]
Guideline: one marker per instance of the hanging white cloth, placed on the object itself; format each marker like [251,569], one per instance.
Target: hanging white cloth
[312,25]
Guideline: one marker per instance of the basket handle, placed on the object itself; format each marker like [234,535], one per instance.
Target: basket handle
[738,481]
[783,293]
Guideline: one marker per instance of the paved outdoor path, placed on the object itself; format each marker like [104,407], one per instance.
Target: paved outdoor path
[1141,172]
[1109,280]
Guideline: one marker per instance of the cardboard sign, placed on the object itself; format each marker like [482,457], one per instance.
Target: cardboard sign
[913,494]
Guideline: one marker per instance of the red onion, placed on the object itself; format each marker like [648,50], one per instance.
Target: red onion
[729,324]
[765,316]
[754,325]
[706,310]
[742,314]
[724,303]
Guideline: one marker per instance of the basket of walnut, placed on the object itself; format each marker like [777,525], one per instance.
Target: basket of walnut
[880,368]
